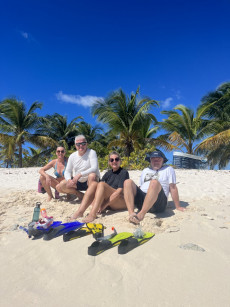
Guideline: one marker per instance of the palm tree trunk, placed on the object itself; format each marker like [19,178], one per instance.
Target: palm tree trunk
[20,155]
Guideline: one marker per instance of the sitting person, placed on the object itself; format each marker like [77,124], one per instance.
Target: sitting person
[59,166]
[155,184]
[107,193]
[81,170]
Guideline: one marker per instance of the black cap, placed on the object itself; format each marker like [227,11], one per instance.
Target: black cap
[156,154]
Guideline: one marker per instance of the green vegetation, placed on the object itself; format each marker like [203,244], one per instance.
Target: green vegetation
[18,126]
[184,128]
[127,117]
[131,130]
[59,130]
[217,146]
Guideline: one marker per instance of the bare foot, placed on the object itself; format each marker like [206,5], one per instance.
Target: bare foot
[133,218]
[76,215]
[49,198]
[89,218]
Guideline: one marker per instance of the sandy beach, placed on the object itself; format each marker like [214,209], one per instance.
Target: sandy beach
[186,263]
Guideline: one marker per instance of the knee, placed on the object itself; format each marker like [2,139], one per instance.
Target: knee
[128,183]
[92,177]
[41,177]
[154,183]
[61,185]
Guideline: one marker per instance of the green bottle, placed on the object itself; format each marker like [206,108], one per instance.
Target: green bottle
[36,212]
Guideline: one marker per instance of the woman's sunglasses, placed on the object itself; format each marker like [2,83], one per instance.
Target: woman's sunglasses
[60,151]
[116,159]
[82,143]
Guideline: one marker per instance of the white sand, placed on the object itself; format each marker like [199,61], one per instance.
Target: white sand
[158,273]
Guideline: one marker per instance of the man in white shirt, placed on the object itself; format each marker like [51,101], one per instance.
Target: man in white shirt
[81,170]
[155,184]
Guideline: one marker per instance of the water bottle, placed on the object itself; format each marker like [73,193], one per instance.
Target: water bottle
[36,212]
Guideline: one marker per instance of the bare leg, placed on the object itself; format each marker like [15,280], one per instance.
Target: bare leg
[63,189]
[103,192]
[47,187]
[150,198]
[87,200]
[59,189]
[91,179]
[116,204]
[130,191]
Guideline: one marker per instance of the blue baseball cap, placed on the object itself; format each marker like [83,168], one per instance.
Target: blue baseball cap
[156,154]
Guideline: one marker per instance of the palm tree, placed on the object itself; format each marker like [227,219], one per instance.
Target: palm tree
[35,157]
[58,129]
[217,146]
[17,125]
[7,152]
[125,116]
[220,97]
[91,133]
[184,128]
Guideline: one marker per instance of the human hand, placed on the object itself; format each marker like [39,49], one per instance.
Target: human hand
[76,178]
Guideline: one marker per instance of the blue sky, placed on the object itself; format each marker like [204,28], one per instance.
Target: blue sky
[67,53]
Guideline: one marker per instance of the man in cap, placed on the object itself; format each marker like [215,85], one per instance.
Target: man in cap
[155,184]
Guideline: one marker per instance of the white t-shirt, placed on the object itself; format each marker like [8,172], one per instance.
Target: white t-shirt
[85,165]
[165,176]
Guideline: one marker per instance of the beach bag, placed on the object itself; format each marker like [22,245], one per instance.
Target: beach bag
[40,188]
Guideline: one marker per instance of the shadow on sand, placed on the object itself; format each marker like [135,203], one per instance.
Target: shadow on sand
[170,209]
[167,213]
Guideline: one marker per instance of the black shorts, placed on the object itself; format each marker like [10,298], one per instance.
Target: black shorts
[159,206]
[82,186]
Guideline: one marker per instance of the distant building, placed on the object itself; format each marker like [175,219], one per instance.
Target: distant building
[183,160]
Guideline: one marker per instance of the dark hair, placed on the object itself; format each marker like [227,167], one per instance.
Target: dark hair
[60,146]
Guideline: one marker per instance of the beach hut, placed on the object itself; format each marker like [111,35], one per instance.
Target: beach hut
[183,160]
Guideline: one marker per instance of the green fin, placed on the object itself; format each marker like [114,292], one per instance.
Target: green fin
[101,245]
[130,243]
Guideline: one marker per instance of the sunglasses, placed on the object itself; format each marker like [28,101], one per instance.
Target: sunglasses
[116,159]
[82,143]
[60,151]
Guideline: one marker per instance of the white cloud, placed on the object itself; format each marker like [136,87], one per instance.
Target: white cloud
[178,94]
[85,101]
[24,34]
[166,103]
[28,37]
